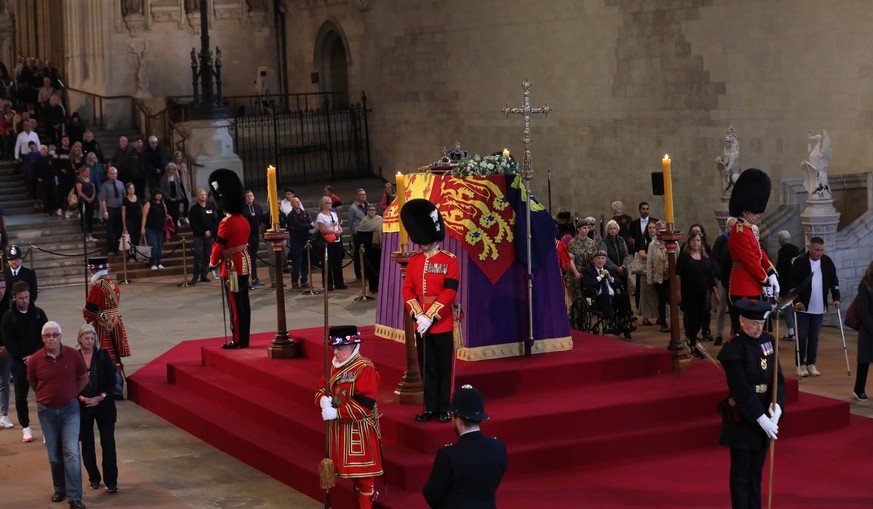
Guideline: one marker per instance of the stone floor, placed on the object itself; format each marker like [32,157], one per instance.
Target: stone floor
[162,466]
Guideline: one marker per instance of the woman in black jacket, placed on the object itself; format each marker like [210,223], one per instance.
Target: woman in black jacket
[96,404]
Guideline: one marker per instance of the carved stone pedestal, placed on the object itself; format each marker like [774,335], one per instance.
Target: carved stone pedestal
[211,145]
[820,219]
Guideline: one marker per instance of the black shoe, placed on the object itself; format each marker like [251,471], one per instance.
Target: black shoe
[664,328]
[204,279]
[427,416]
[445,417]
[788,337]
[233,346]
[193,282]
[59,497]
[697,354]
[707,336]
[718,341]
[95,485]
[341,287]
[77,504]
[330,288]
[112,490]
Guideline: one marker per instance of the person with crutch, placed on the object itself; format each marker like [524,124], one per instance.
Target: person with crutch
[429,290]
[812,302]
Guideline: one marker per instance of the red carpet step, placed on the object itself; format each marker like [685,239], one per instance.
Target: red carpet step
[568,419]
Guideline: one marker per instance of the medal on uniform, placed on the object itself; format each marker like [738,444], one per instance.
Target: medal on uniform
[764,364]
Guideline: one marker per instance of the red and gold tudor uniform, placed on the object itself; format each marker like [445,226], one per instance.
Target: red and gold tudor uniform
[230,252]
[354,434]
[101,310]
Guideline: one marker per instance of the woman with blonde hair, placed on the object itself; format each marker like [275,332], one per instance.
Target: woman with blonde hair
[331,230]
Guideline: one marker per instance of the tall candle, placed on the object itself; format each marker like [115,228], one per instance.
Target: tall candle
[401,199]
[506,152]
[668,189]
[273,197]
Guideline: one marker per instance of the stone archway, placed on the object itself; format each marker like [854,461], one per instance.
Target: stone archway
[332,61]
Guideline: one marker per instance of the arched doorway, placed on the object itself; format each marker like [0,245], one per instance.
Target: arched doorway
[332,61]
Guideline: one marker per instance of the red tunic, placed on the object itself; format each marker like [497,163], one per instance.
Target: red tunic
[354,435]
[430,287]
[233,236]
[101,310]
[751,263]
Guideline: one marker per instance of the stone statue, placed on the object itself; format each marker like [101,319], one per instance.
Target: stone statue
[815,178]
[729,162]
[129,7]
[139,47]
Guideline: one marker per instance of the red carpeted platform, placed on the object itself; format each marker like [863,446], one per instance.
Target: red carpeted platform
[607,424]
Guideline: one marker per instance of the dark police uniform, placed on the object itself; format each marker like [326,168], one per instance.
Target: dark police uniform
[466,474]
[748,365]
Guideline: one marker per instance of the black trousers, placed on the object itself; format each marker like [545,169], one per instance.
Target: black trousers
[113,229]
[104,415]
[240,311]
[22,388]
[202,252]
[745,478]
[335,255]
[435,353]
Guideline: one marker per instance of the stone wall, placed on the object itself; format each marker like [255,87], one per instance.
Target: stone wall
[628,81]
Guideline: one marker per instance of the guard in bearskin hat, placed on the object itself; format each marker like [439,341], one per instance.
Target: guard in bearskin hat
[348,404]
[753,274]
[101,311]
[429,290]
[468,472]
[230,252]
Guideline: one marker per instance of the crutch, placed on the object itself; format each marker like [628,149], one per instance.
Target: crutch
[843,336]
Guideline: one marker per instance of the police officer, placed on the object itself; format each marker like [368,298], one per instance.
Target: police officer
[750,419]
[16,272]
[468,472]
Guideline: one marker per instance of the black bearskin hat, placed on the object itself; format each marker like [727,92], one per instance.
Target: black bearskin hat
[227,191]
[423,222]
[751,193]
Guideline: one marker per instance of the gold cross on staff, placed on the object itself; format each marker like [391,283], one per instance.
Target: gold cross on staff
[527,110]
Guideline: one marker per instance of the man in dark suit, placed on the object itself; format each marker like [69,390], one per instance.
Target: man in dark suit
[468,472]
[609,294]
[640,240]
[17,272]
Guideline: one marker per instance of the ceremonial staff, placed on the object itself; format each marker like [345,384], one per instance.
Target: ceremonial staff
[527,173]
[779,304]
[326,469]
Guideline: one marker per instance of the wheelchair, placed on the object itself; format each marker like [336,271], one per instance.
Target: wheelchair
[588,315]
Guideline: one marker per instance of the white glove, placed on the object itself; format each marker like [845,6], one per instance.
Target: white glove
[329,414]
[775,412]
[424,323]
[774,284]
[325,402]
[768,292]
[769,427]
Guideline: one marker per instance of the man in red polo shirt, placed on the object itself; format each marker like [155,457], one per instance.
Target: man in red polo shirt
[58,374]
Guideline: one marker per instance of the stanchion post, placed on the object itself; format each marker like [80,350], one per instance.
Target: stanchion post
[311,290]
[363,297]
[184,283]
[282,346]
[410,389]
[124,255]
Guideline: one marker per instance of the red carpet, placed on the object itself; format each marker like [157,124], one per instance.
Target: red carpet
[605,425]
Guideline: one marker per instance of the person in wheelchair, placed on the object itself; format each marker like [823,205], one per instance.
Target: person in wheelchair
[609,295]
